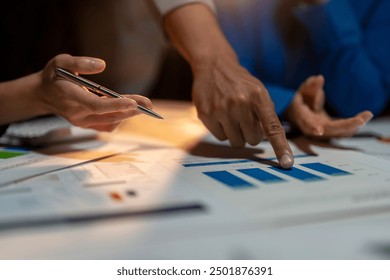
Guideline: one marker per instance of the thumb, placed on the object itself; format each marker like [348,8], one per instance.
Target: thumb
[312,92]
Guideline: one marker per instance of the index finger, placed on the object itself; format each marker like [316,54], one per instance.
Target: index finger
[78,64]
[274,131]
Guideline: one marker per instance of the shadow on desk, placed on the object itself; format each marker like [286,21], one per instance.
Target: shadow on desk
[304,144]
[211,150]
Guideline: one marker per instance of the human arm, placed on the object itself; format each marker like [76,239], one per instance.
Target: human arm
[231,102]
[353,59]
[307,112]
[44,93]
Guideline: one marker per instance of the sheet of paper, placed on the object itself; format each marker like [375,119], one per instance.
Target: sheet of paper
[332,181]
[129,184]
[247,184]
[217,192]
[372,139]
[368,145]
[18,164]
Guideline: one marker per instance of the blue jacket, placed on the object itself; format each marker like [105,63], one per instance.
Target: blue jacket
[348,41]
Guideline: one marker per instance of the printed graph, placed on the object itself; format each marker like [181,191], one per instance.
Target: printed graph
[238,178]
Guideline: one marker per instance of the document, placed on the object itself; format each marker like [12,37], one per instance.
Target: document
[373,139]
[320,186]
[124,184]
[165,195]
[222,184]
[18,164]
[369,145]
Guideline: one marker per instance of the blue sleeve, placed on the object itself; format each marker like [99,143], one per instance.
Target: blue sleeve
[354,61]
[240,28]
[281,97]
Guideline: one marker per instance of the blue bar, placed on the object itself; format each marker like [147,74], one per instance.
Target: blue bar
[228,179]
[261,175]
[326,169]
[215,163]
[298,174]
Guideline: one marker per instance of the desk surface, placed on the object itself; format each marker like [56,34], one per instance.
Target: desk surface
[217,222]
[180,127]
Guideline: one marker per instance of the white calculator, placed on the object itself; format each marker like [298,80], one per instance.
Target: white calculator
[43,131]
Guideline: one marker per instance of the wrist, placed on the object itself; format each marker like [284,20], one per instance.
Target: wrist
[32,94]
[195,32]
[215,58]
[19,100]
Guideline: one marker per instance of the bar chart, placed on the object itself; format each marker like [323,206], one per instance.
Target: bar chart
[329,181]
[328,170]
[264,176]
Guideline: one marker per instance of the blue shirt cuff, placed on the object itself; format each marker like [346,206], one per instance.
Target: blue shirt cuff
[281,97]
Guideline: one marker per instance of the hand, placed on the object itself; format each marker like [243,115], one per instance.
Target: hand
[81,107]
[235,105]
[231,103]
[308,114]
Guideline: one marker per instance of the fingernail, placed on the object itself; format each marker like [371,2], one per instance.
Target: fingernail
[286,161]
[368,118]
[319,131]
[98,63]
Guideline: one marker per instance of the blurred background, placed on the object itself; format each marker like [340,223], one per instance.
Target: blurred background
[126,34]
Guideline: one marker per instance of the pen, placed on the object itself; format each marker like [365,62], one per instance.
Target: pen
[99,90]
